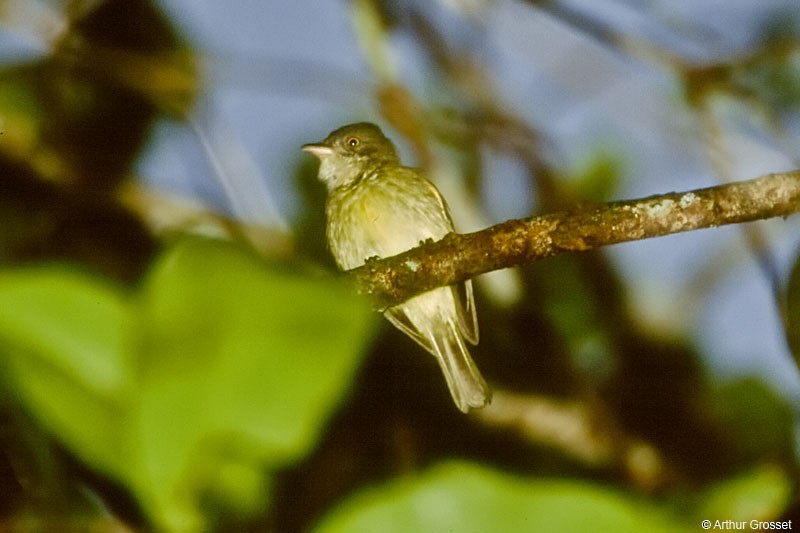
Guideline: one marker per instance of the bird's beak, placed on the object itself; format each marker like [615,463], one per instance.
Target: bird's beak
[318,149]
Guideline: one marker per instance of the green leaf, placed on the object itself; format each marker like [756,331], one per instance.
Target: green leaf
[468,498]
[63,338]
[220,370]
[70,320]
[761,494]
[240,367]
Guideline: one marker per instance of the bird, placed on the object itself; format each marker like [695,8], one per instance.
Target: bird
[376,207]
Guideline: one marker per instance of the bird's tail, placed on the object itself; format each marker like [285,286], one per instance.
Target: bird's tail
[466,384]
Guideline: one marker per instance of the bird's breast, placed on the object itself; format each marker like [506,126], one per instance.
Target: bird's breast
[376,219]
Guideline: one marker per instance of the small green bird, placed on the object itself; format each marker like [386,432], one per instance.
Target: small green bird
[378,207]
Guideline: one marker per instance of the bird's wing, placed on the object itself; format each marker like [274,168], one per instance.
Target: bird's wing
[465,313]
[465,308]
[462,293]
[399,319]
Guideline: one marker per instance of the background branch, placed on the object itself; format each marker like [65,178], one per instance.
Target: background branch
[458,257]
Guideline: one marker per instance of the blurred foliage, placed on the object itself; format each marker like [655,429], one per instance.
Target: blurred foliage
[187,384]
[792,311]
[598,178]
[217,371]
[81,115]
[759,494]
[467,498]
[766,76]
[73,123]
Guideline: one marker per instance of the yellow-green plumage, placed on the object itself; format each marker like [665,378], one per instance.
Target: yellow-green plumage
[378,208]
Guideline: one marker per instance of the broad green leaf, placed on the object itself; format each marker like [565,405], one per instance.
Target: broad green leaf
[469,498]
[71,320]
[240,366]
[63,337]
[220,370]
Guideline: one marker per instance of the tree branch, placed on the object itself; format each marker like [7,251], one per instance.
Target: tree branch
[458,257]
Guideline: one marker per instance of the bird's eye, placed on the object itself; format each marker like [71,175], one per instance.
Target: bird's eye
[353,142]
